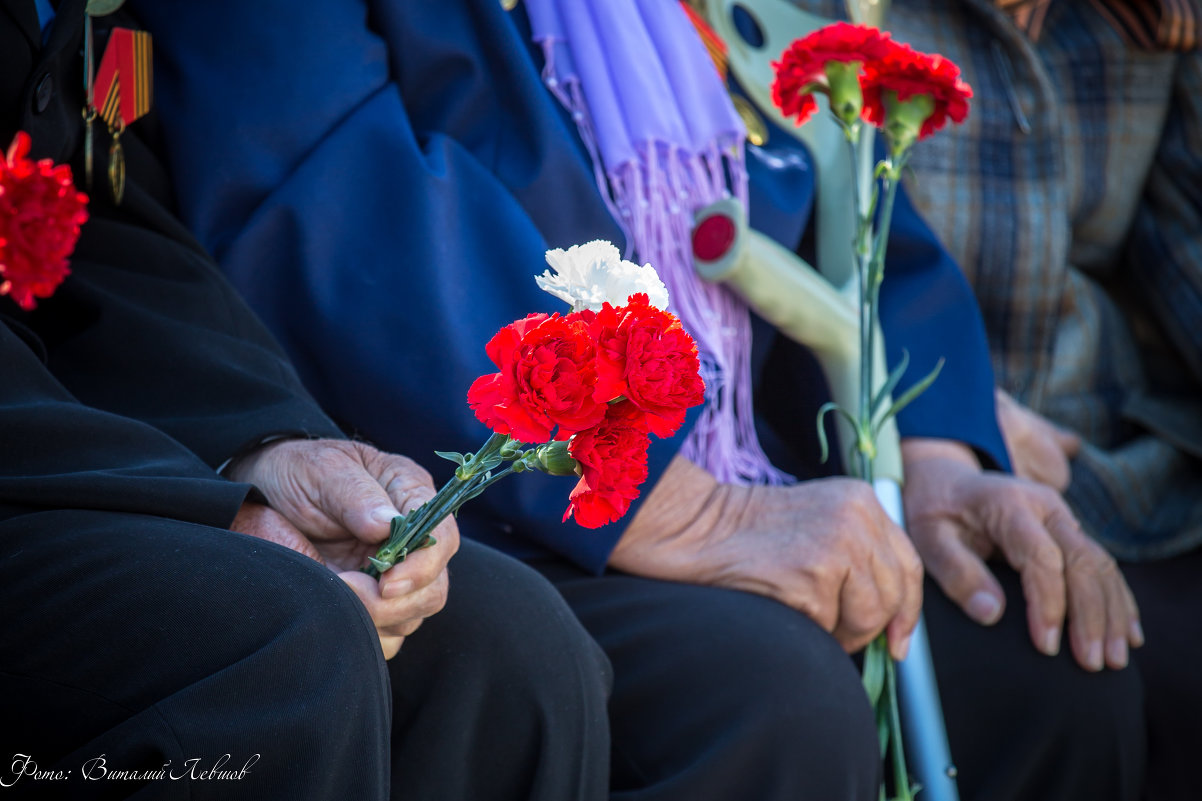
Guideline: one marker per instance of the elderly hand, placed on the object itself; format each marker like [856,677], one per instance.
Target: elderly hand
[959,515]
[1039,449]
[334,500]
[825,548]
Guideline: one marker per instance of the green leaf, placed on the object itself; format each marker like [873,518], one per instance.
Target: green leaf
[890,384]
[451,456]
[491,462]
[882,727]
[831,406]
[379,564]
[909,396]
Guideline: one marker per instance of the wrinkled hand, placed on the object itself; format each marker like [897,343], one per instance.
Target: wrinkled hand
[960,515]
[1039,449]
[825,548]
[334,501]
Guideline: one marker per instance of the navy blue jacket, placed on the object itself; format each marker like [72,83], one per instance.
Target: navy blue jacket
[381,179]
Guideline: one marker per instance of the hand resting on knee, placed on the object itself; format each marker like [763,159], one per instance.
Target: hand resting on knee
[960,515]
[825,548]
[334,500]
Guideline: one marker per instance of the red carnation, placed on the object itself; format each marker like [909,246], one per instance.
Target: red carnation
[908,73]
[40,216]
[613,460]
[802,67]
[547,376]
[644,354]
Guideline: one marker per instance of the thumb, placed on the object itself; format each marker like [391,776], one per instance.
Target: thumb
[358,503]
[961,573]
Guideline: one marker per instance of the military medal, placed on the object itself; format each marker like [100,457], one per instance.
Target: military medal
[118,92]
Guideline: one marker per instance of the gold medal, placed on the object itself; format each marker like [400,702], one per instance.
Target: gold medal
[117,166]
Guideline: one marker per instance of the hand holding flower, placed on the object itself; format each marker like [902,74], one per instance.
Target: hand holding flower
[333,500]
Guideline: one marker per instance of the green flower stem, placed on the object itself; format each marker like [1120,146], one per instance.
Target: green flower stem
[865,253]
[411,532]
[870,248]
[901,777]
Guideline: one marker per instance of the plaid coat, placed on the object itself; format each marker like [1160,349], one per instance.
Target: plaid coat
[1072,199]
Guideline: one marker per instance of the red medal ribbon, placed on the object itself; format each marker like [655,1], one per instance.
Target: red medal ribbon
[124,81]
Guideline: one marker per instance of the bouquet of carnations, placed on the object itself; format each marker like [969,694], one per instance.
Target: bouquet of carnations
[577,394]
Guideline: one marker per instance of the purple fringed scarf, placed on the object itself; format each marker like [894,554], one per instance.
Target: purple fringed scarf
[664,137]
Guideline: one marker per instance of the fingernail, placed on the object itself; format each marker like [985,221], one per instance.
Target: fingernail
[903,648]
[396,589]
[1051,641]
[1093,655]
[1116,652]
[1137,633]
[984,608]
[383,514]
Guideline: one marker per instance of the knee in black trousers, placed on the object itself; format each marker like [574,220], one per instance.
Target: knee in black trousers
[721,694]
[152,644]
[1028,727]
[502,695]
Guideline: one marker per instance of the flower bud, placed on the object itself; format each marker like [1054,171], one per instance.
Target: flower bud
[846,98]
[554,459]
[904,119]
[511,450]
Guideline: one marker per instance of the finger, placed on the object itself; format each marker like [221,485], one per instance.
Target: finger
[1050,467]
[959,571]
[398,617]
[1030,550]
[860,619]
[1067,441]
[424,602]
[263,522]
[419,569]
[1118,620]
[1089,608]
[868,599]
[365,588]
[1123,630]
[1098,614]
[1135,631]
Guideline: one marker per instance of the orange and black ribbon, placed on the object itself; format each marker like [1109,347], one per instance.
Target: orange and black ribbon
[124,81]
[120,93]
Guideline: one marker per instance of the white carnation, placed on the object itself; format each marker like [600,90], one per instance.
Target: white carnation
[594,273]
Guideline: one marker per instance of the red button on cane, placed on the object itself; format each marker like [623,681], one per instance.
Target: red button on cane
[713,237]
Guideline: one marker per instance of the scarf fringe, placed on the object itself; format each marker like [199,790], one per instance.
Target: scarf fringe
[653,200]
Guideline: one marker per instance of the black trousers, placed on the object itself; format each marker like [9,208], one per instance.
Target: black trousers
[1169,593]
[721,695]
[132,645]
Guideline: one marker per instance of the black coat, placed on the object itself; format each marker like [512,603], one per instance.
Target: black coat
[145,371]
